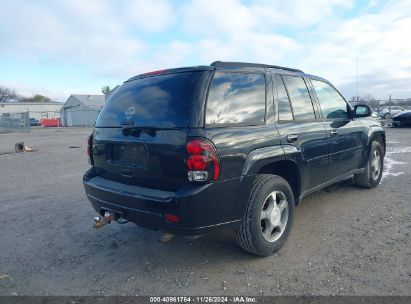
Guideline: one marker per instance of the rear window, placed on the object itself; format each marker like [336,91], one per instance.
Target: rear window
[236,98]
[162,101]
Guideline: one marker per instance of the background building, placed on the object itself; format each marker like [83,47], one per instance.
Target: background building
[36,110]
[81,110]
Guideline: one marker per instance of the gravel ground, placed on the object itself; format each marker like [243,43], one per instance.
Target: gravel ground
[345,240]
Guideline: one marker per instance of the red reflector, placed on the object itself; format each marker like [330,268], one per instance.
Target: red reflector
[171,218]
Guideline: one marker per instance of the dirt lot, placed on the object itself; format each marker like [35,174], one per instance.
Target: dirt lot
[345,240]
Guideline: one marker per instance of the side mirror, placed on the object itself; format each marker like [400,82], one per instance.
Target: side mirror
[362,111]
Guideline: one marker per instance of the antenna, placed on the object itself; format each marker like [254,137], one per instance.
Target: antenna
[358,98]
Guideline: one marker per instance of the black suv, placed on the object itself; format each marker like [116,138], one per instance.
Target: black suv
[190,150]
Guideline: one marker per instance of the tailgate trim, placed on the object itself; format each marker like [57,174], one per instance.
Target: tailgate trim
[130,190]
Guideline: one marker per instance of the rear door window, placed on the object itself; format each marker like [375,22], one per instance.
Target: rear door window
[162,101]
[300,98]
[284,108]
[333,106]
[236,98]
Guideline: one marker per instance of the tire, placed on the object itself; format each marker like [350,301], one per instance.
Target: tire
[370,178]
[269,216]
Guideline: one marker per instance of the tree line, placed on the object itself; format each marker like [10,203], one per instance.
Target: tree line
[10,95]
[376,104]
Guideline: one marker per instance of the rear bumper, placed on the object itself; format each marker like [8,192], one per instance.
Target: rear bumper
[400,122]
[201,207]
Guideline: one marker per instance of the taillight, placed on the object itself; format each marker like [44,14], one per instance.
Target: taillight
[202,163]
[153,73]
[89,149]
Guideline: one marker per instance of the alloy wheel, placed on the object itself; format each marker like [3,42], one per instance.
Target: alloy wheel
[274,216]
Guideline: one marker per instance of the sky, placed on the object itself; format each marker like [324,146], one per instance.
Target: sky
[57,48]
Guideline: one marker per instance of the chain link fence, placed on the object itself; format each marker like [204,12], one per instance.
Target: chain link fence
[14,122]
[44,114]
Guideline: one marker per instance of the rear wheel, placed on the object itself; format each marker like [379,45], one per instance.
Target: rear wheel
[371,177]
[269,216]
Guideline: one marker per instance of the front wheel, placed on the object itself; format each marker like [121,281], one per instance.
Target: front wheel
[269,216]
[372,174]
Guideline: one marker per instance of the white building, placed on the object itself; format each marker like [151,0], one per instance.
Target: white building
[36,110]
[81,110]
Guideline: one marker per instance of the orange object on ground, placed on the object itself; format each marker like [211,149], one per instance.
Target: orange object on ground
[50,122]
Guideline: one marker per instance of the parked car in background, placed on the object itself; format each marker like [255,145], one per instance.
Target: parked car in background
[385,112]
[375,116]
[402,119]
[34,122]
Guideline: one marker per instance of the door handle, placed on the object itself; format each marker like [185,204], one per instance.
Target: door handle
[292,138]
[333,132]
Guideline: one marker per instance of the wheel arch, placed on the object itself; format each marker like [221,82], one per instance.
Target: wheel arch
[376,134]
[272,160]
[288,170]
[380,137]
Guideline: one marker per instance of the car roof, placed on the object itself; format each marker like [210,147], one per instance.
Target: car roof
[251,65]
[226,64]
[171,71]
[314,77]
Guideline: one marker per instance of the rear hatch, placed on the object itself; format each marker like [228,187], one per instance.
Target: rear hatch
[141,133]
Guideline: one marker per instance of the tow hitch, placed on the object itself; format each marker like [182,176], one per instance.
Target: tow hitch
[102,221]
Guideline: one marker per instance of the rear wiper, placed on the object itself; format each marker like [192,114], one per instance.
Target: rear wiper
[136,130]
[127,123]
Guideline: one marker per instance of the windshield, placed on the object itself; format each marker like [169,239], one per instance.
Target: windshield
[162,101]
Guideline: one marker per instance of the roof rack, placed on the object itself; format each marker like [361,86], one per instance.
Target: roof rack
[252,65]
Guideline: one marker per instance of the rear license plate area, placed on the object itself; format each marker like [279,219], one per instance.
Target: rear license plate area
[130,155]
